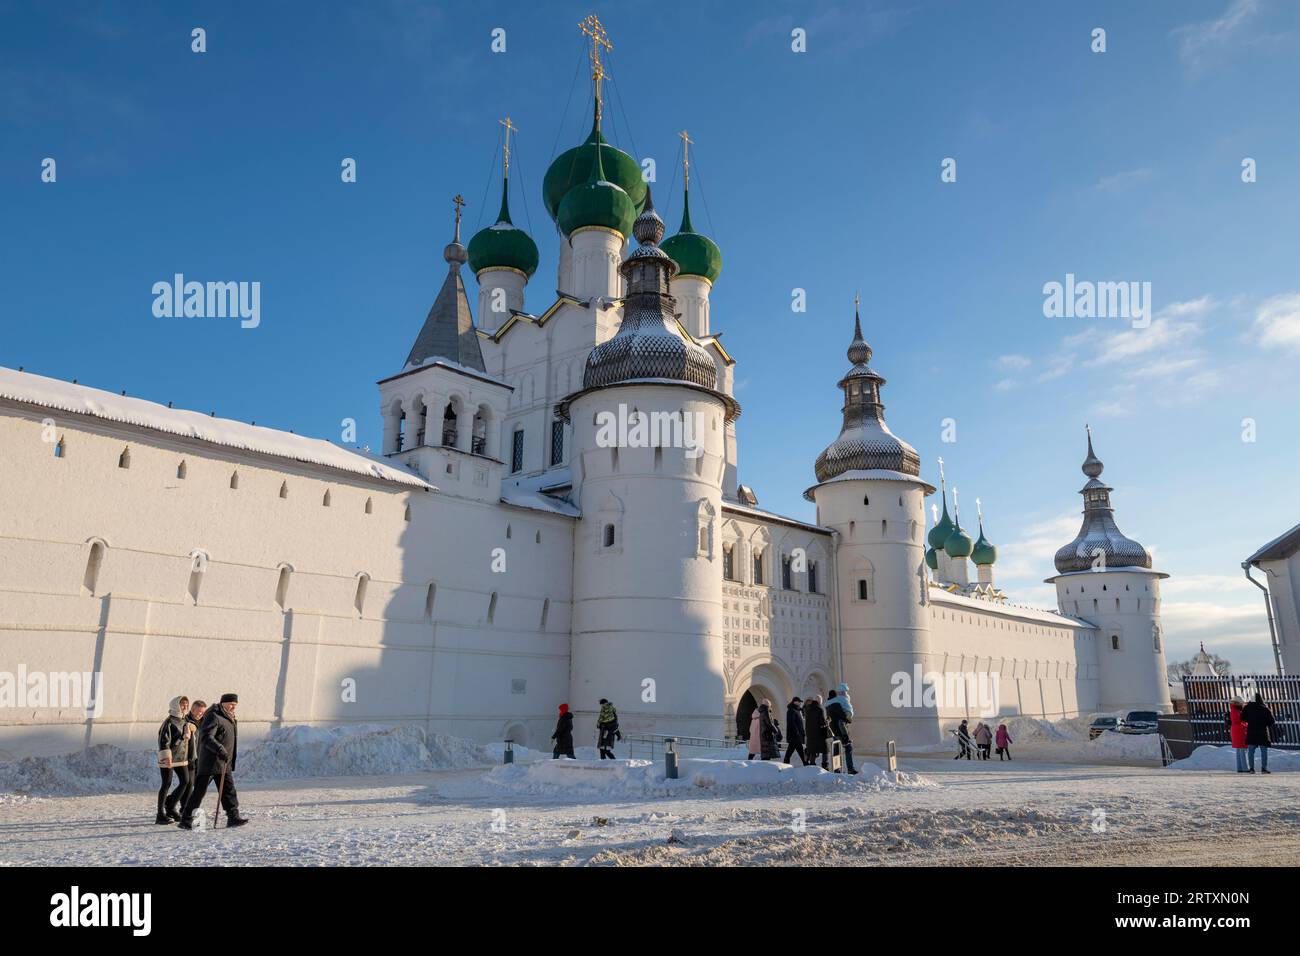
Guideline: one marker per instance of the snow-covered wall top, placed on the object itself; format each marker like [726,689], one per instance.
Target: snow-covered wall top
[81,400]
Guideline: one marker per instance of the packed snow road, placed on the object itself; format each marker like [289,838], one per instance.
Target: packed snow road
[939,812]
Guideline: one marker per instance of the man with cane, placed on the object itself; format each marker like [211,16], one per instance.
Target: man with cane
[218,747]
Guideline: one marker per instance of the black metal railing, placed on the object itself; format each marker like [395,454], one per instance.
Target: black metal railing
[1208,699]
[449,437]
[477,444]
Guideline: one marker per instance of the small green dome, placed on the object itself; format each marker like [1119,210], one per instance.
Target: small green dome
[959,544]
[694,253]
[502,244]
[931,559]
[985,552]
[598,202]
[571,167]
[939,533]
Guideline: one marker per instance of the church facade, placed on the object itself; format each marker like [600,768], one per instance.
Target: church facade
[555,516]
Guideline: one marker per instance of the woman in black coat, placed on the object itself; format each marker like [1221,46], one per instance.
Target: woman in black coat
[563,735]
[770,733]
[794,731]
[1259,725]
[816,729]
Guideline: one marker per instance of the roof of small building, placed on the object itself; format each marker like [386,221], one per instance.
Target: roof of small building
[76,399]
[1280,547]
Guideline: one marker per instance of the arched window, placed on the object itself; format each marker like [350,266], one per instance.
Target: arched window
[370,507]
[284,489]
[546,610]
[704,540]
[282,587]
[429,597]
[180,470]
[507,532]
[517,451]
[1114,642]
[492,607]
[787,572]
[866,501]
[94,562]
[609,536]
[537,538]
[728,562]
[197,569]
[758,566]
[60,449]
[449,425]
[234,480]
[812,577]
[359,601]
[124,459]
[325,502]
[865,575]
[406,515]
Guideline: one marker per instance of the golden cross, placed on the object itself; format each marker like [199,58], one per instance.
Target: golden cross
[686,156]
[857,300]
[593,28]
[510,127]
[458,202]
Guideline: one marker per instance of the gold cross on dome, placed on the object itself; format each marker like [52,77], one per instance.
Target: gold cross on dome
[686,156]
[510,128]
[593,28]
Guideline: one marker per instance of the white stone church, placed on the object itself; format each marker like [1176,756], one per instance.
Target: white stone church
[506,551]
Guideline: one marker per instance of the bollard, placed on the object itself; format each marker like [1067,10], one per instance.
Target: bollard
[670,758]
[892,751]
[510,752]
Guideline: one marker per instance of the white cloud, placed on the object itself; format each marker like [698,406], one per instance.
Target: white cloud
[1277,323]
[1014,362]
[1005,384]
[1164,334]
[1028,558]
[1118,182]
[1198,42]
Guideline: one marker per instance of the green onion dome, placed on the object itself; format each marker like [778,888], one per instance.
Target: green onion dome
[571,167]
[985,552]
[502,245]
[931,559]
[598,202]
[938,535]
[959,544]
[694,253]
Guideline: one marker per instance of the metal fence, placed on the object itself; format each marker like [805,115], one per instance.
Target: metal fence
[1208,699]
[652,745]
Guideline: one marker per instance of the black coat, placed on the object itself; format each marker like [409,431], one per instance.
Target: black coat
[768,733]
[1258,721]
[563,735]
[171,737]
[816,727]
[218,742]
[838,719]
[794,731]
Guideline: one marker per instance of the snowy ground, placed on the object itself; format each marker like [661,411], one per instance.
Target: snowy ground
[935,811]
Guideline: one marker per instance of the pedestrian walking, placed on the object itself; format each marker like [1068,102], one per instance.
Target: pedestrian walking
[218,752]
[1004,742]
[794,731]
[1259,732]
[607,730]
[563,735]
[173,759]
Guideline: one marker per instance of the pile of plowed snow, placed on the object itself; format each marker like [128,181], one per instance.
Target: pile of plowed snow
[611,779]
[286,752]
[1224,758]
[1067,741]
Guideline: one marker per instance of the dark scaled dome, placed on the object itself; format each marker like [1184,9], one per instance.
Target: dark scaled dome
[865,441]
[939,533]
[645,347]
[1099,544]
[502,245]
[985,553]
[572,167]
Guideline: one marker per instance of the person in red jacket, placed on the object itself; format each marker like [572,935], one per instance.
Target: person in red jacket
[1237,729]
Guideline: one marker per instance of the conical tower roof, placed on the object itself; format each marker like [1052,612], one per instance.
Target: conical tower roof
[448,331]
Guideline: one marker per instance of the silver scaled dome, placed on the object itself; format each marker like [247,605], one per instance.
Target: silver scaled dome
[865,440]
[1099,542]
[645,346]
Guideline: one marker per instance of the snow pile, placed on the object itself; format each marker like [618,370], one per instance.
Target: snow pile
[1067,741]
[1224,758]
[615,779]
[358,750]
[286,752]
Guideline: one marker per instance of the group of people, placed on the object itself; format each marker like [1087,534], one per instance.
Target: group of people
[984,737]
[811,728]
[607,732]
[1252,728]
[197,744]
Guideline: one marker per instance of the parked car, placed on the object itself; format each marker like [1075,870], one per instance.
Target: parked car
[1101,725]
[1139,722]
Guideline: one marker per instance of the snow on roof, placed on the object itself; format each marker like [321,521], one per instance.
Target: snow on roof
[82,400]
[526,492]
[1282,546]
[940,596]
[730,504]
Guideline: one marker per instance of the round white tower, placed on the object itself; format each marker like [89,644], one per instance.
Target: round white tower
[1106,579]
[871,494]
[648,429]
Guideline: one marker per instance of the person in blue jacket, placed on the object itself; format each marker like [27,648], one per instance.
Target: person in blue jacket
[839,711]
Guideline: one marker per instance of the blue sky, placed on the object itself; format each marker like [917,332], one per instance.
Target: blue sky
[816,170]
